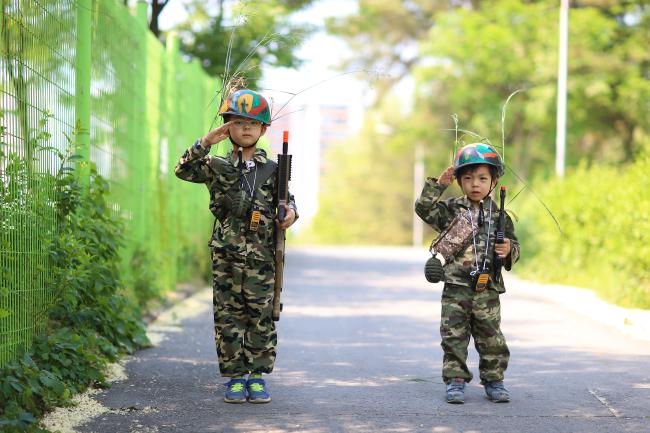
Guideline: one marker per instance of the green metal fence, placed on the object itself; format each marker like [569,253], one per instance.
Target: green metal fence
[91,63]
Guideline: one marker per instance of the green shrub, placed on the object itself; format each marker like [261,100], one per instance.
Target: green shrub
[91,321]
[605,244]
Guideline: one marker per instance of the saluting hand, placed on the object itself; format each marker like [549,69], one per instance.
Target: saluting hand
[216,135]
[446,177]
[503,249]
[289,218]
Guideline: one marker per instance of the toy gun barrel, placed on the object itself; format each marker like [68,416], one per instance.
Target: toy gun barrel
[284,175]
[500,237]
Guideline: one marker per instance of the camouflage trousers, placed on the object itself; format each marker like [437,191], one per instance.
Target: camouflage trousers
[245,333]
[467,313]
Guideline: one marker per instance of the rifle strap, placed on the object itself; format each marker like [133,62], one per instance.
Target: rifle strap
[264,172]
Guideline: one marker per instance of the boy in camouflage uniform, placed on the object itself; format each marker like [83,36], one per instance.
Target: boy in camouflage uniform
[465,310]
[242,254]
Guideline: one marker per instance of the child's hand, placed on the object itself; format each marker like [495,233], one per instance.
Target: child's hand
[216,135]
[289,218]
[446,177]
[503,249]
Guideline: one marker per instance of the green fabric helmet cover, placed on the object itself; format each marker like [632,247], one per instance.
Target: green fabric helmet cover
[247,103]
[477,153]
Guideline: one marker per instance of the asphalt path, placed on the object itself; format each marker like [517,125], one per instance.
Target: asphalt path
[359,352]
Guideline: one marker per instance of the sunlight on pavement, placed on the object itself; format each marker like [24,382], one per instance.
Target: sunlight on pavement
[421,310]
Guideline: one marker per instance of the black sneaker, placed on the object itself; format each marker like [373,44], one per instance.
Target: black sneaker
[456,391]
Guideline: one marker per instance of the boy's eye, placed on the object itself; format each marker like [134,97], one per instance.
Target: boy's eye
[251,123]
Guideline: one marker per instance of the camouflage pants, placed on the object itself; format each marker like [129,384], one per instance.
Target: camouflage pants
[243,304]
[465,313]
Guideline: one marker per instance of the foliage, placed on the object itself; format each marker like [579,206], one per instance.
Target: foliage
[85,257]
[90,319]
[366,196]
[467,60]
[472,58]
[60,365]
[384,35]
[605,242]
[476,58]
[262,33]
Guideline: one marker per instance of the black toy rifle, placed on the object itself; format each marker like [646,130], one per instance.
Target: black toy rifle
[500,238]
[284,175]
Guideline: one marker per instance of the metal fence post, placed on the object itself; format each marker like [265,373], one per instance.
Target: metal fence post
[173,60]
[82,85]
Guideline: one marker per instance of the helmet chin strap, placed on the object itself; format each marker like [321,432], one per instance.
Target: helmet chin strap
[490,191]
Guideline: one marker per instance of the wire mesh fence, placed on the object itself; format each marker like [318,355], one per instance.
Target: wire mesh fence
[146,106]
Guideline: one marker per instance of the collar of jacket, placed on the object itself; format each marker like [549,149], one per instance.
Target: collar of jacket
[465,203]
[259,157]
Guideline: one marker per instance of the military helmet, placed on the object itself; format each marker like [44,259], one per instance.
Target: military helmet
[247,103]
[478,153]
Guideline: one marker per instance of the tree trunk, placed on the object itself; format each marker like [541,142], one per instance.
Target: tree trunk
[157,7]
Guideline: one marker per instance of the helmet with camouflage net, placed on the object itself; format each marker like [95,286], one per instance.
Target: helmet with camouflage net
[478,153]
[247,103]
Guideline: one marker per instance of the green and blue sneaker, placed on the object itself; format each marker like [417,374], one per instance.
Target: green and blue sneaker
[235,391]
[257,392]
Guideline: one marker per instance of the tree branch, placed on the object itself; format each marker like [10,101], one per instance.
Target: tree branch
[157,7]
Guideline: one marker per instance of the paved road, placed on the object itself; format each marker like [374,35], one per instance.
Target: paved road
[359,352]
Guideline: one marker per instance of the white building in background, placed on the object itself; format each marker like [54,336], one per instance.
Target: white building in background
[312,129]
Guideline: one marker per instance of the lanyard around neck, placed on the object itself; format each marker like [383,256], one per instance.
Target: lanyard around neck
[251,188]
[487,240]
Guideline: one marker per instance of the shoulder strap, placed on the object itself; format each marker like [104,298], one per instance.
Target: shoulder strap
[265,172]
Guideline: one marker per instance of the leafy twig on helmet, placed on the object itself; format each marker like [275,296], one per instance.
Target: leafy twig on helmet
[503,122]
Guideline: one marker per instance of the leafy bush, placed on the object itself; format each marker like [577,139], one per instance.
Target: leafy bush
[605,242]
[91,321]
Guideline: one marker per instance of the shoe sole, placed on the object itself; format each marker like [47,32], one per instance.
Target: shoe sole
[234,400]
[499,400]
[259,400]
[455,401]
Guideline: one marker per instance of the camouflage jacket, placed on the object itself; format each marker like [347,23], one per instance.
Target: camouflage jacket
[220,175]
[440,213]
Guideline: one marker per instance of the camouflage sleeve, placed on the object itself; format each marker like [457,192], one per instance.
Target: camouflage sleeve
[514,244]
[193,165]
[428,206]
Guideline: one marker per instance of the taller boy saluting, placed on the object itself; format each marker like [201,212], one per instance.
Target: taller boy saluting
[243,201]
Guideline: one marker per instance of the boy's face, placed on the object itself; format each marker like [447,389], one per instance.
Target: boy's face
[245,131]
[476,182]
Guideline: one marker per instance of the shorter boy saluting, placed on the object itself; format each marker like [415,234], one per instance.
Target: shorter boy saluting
[467,308]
